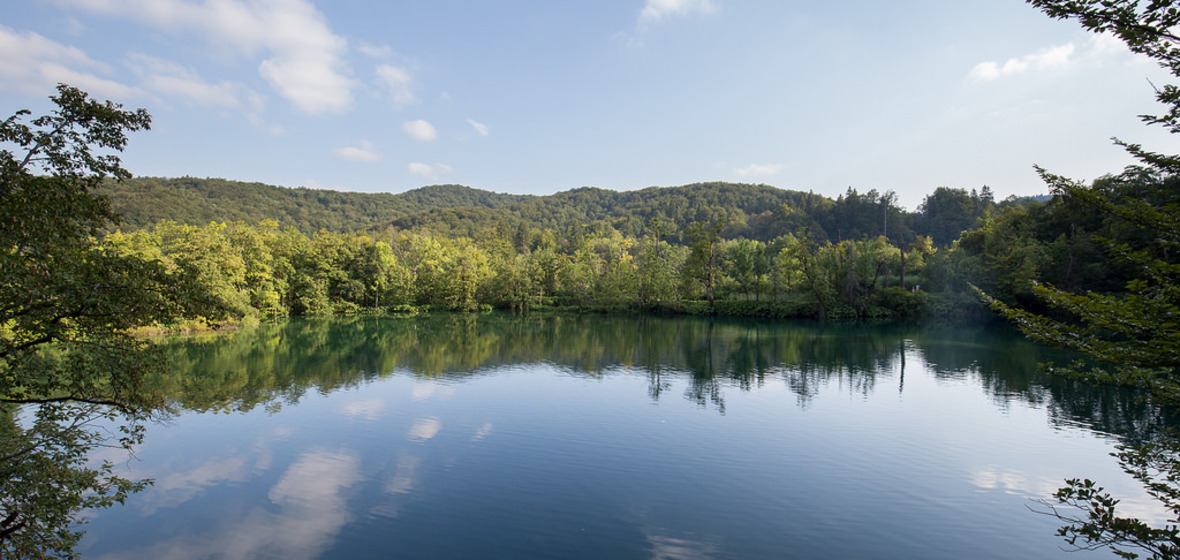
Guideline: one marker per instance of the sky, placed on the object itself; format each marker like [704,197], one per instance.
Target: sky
[542,96]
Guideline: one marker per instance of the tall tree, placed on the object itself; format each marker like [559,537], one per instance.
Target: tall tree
[66,304]
[704,260]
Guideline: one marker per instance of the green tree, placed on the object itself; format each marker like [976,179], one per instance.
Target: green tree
[947,212]
[658,264]
[1133,335]
[267,269]
[704,259]
[66,304]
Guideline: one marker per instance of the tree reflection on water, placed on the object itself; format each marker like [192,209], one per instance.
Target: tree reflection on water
[272,365]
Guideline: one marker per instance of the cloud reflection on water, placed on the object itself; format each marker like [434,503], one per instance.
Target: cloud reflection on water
[425,389]
[1034,487]
[369,409]
[483,432]
[424,429]
[403,480]
[311,509]
[665,547]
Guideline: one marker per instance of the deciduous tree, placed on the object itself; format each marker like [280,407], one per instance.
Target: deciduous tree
[67,361]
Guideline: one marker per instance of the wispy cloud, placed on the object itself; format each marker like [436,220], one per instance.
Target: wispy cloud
[420,130]
[304,60]
[658,10]
[32,64]
[364,152]
[1048,59]
[398,83]
[375,51]
[759,170]
[174,80]
[480,128]
[1105,45]
[428,171]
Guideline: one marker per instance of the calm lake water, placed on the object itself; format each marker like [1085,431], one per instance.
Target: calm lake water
[496,436]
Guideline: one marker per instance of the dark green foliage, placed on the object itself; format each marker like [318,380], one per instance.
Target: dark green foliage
[627,212]
[67,362]
[856,216]
[145,201]
[1136,331]
[704,260]
[947,212]
[1133,333]
[757,212]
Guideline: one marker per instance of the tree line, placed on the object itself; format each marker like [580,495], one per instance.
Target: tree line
[758,212]
[667,265]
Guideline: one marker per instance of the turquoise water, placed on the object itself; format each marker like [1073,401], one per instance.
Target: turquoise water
[592,437]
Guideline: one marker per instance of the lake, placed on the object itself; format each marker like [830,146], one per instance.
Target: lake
[497,436]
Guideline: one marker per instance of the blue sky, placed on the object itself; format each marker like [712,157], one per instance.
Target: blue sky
[545,95]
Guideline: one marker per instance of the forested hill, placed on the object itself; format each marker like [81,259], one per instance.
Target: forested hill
[631,212]
[758,212]
[143,202]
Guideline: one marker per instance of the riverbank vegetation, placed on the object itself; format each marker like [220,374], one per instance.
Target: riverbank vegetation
[705,249]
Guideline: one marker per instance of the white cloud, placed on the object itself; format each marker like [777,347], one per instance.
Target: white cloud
[32,64]
[376,51]
[364,152]
[310,183]
[1106,47]
[398,83]
[420,130]
[305,61]
[657,10]
[480,128]
[1048,59]
[428,171]
[168,78]
[759,170]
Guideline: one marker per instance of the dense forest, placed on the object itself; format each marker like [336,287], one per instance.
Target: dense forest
[142,202]
[757,212]
[709,248]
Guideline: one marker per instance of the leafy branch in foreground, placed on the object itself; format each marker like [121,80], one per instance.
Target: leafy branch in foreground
[1134,335]
[71,376]
[1090,510]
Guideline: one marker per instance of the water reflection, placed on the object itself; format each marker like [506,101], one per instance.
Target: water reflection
[273,365]
[423,429]
[603,437]
[665,547]
[306,509]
